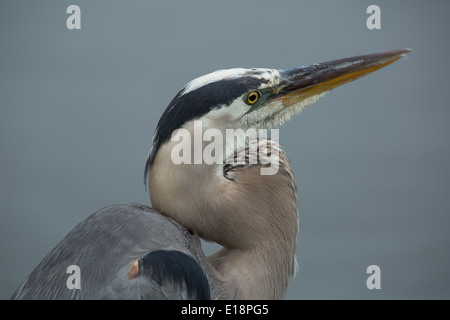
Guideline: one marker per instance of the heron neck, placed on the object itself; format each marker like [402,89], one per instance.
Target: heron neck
[257,273]
[253,216]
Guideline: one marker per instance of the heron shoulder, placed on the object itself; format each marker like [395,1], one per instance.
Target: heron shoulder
[104,247]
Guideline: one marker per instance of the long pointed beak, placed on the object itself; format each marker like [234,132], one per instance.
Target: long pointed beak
[304,82]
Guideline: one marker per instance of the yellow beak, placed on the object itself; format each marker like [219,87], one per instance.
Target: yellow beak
[304,82]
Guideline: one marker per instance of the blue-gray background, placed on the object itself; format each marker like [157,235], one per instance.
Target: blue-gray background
[78,110]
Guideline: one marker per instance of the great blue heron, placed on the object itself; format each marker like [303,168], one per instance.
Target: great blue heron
[131,251]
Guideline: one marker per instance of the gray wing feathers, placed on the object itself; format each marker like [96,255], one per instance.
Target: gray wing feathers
[104,247]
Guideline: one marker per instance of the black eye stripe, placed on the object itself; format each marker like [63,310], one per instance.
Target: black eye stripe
[197,103]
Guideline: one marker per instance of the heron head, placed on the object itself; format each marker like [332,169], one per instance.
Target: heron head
[258,97]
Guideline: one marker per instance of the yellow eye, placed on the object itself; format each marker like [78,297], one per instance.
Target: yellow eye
[252,97]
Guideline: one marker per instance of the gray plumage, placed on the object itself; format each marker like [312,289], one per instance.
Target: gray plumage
[105,259]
